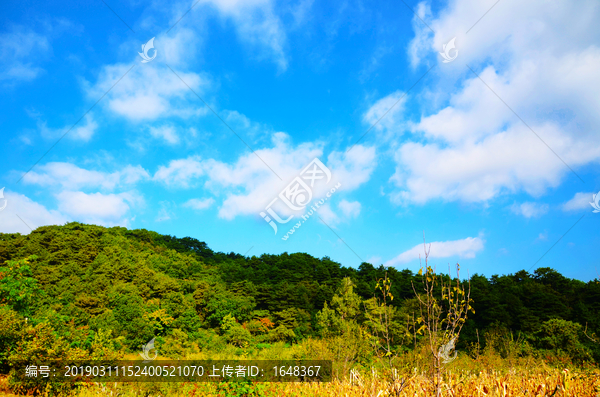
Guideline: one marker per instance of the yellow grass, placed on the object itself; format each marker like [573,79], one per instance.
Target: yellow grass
[514,382]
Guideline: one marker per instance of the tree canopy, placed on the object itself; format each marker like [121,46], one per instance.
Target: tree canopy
[84,281]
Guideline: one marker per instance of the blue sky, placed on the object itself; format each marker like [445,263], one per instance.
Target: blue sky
[494,155]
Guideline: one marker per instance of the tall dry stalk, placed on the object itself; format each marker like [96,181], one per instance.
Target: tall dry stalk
[443,308]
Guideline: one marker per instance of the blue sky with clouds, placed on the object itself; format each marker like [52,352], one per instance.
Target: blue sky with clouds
[494,156]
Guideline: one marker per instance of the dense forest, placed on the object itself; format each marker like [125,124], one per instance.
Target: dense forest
[83,291]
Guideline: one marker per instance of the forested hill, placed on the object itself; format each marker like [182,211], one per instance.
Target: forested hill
[140,284]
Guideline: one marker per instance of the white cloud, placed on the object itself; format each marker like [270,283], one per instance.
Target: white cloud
[249,185]
[32,214]
[66,181]
[581,201]
[421,42]
[179,48]
[529,209]
[242,124]
[260,186]
[83,130]
[152,91]
[474,148]
[19,48]
[350,209]
[352,168]
[465,248]
[511,30]
[97,208]
[258,25]
[387,112]
[199,204]
[149,92]
[165,132]
[72,177]
[130,174]
[180,172]
[327,215]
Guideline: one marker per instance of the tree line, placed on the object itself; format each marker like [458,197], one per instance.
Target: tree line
[101,289]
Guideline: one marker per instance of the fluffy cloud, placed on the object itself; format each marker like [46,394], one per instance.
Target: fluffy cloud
[350,209]
[465,248]
[179,47]
[22,213]
[180,172]
[199,204]
[249,185]
[149,91]
[67,180]
[83,131]
[530,210]
[533,29]
[326,214]
[260,186]
[71,177]
[352,168]
[165,132]
[475,148]
[97,208]
[387,112]
[581,201]
[508,161]
[257,24]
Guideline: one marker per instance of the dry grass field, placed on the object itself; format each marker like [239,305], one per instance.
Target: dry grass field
[519,381]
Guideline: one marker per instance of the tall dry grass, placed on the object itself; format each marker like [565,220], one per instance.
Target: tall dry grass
[535,381]
[481,373]
[521,382]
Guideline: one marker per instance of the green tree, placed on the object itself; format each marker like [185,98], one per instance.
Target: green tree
[18,288]
[234,333]
[383,321]
[563,336]
[11,331]
[339,325]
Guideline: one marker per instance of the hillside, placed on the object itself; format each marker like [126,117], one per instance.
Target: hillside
[78,282]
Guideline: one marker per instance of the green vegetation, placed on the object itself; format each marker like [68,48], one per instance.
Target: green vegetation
[82,291]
